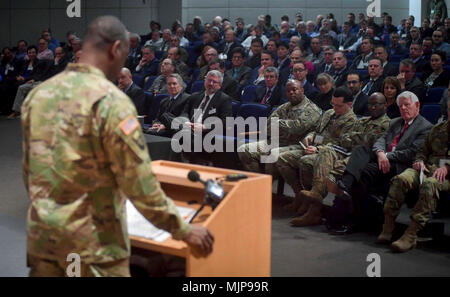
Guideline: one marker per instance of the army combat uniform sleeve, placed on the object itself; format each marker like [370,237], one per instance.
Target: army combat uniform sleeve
[129,159]
[307,119]
[365,132]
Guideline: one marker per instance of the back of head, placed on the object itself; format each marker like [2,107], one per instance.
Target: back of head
[343,92]
[104,31]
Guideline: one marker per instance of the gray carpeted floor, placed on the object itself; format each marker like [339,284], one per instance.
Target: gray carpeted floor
[295,251]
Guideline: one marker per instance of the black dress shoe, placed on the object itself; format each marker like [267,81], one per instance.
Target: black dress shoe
[344,229]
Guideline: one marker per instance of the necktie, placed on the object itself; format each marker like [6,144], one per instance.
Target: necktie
[397,138]
[327,68]
[368,87]
[198,115]
[171,102]
[267,96]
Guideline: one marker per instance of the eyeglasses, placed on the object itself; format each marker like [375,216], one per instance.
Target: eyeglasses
[298,69]
[352,82]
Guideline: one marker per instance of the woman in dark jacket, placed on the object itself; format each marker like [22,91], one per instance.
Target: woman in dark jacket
[325,83]
[438,77]
[391,89]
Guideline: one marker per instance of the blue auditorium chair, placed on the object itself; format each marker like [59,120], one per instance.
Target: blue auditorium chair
[138,79]
[248,93]
[149,82]
[197,86]
[435,95]
[153,107]
[235,107]
[431,112]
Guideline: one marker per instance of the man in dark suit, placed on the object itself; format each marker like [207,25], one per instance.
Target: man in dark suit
[256,48]
[170,107]
[272,92]
[326,65]
[134,52]
[136,94]
[396,48]
[375,80]
[283,62]
[229,85]
[239,72]
[148,65]
[391,154]
[360,100]
[408,80]
[362,61]
[416,55]
[208,103]
[346,38]
[389,69]
[300,73]
[230,44]
[340,69]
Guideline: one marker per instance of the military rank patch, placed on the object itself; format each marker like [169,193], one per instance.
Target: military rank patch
[129,125]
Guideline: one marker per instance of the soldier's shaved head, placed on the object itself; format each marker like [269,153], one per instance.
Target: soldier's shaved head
[106,45]
[105,30]
[378,96]
[376,105]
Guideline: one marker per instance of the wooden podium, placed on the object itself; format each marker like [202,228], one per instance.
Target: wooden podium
[241,223]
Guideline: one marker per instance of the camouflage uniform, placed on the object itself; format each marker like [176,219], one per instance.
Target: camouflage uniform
[434,149]
[331,128]
[294,123]
[84,154]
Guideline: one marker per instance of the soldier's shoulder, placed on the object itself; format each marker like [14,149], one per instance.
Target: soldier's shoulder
[312,106]
[439,127]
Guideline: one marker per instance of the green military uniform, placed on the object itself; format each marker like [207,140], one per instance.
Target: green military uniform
[330,129]
[294,123]
[84,154]
[434,151]
[365,132]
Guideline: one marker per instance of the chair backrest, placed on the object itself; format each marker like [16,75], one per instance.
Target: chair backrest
[255,110]
[149,82]
[363,73]
[431,112]
[197,86]
[248,93]
[159,54]
[153,107]
[235,107]
[396,58]
[138,79]
[435,95]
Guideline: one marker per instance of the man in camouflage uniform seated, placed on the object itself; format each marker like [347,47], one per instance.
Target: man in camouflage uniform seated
[434,160]
[334,123]
[365,132]
[84,154]
[296,119]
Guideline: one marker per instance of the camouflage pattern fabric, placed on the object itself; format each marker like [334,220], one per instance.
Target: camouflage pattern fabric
[83,154]
[294,123]
[434,149]
[330,128]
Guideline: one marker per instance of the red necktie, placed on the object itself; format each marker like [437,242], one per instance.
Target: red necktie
[269,92]
[397,138]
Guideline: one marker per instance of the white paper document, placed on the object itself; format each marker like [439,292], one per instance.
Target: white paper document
[139,226]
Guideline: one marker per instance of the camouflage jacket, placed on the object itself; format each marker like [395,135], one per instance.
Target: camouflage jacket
[365,132]
[332,127]
[84,154]
[435,148]
[296,121]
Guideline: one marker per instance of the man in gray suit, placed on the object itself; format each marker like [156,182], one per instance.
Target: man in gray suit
[391,154]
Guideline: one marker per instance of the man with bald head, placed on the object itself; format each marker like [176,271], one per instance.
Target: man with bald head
[84,154]
[136,94]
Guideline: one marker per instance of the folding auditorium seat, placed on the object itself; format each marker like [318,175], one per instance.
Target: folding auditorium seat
[138,80]
[431,112]
[197,86]
[149,82]
[434,95]
[248,93]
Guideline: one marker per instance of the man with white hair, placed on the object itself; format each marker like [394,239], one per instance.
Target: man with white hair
[391,154]
[433,161]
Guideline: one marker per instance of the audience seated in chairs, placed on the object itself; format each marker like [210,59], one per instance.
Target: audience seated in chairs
[326,86]
[359,103]
[148,65]
[229,85]
[408,81]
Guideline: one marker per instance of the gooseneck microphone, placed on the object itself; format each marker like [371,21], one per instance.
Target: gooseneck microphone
[213,191]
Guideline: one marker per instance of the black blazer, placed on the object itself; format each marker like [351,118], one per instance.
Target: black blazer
[415,86]
[230,87]
[220,106]
[360,107]
[137,95]
[275,98]
[242,76]
[409,143]
[310,91]
[166,115]
[324,100]
[376,87]
[440,81]
[340,78]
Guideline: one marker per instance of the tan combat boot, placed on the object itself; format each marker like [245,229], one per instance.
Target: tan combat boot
[294,205]
[388,227]
[312,217]
[408,240]
[303,207]
[311,196]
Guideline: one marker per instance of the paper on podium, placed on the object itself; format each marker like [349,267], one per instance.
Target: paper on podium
[139,226]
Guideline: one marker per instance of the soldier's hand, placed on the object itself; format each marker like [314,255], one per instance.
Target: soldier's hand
[200,240]
[418,166]
[310,150]
[440,174]
[383,163]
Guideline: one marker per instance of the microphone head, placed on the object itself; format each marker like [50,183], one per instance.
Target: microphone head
[193,176]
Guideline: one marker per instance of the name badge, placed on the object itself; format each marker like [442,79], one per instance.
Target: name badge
[318,139]
[211,111]
[443,162]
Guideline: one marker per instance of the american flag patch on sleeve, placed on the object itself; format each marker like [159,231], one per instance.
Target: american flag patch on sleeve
[129,125]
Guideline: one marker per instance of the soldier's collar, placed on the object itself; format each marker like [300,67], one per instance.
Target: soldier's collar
[85,68]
